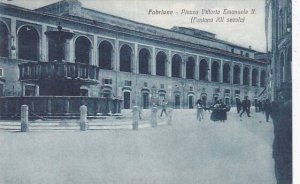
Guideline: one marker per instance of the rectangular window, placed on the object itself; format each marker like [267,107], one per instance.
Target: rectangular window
[1,72]
[191,88]
[227,90]
[217,90]
[242,52]
[1,89]
[232,50]
[237,92]
[247,54]
[145,84]
[127,83]
[107,81]
[162,86]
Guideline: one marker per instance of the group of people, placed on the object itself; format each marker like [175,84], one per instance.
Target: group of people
[219,110]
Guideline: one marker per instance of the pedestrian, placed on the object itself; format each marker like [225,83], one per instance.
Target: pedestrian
[222,111]
[268,109]
[164,108]
[238,105]
[200,107]
[246,104]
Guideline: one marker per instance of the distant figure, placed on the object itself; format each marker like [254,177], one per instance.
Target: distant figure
[238,106]
[222,111]
[200,107]
[164,108]
[268,109]
[246,104]
[282,145]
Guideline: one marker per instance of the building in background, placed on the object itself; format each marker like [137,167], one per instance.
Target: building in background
[279,44]
[139,63]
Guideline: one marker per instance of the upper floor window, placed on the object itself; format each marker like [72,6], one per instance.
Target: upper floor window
[127,83]
[232,50]
[1,72]
[107,81]
[247,54]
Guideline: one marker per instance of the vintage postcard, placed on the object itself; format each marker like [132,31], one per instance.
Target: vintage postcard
[146,91]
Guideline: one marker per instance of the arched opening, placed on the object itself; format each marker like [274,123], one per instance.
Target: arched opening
[236,74]
[125,58]
[177,101]
[203,70]
[83,49]
[176,66]
[282,66]
[254,77]
[190,68]
[263,76]
[191,101]
[3,40]
[161,59]
[105,55]
[246,76]
[288,72]
[144,57]
[28,43]
[226,73]
[215,73]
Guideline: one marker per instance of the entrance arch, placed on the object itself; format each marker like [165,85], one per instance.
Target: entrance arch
[144,61]
[161,60]
[190,68]
[215,72]
[28,43]
[105,55]
[4,40]
[246,74]
[176,66]
[226,73]
[236,74]
[83,50]
[125,58]
[254,77]
[203,68]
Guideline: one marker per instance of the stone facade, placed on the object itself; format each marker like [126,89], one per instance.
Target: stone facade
[138,63]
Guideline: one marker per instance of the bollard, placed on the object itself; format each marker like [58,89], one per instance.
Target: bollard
[83,118]
[154,116]
[135,118]
[24,118]
[169,115]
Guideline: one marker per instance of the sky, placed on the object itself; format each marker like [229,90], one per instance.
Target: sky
[250,32]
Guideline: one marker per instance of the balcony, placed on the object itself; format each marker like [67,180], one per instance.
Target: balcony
[37,71]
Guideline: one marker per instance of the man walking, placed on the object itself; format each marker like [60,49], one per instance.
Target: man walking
[246,104]
[268,109]
[164,108]
[200,108]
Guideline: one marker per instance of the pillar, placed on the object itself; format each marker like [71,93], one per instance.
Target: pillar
[13,29]
[136,59]
[242,74]
[135,118]
[209,70]
[83,118]
[24,118]
[231,73]
[95,51]
[44,48]
[153,62]
[169,64]
[169,116]
[117,57]
[183,68]
[250,76]
[70,51]
[259,74]
[154,116]
[221,71]
[197,68]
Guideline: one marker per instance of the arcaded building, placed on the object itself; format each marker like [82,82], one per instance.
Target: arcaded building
[138,63]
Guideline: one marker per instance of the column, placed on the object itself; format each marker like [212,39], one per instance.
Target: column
[221,71]
[153,62]
[209,70]
[231,72]
[183,68]
[258,80]
[169,64]
[117,57]
[71,51]
[197,68]
[13,30]
[250,76]
[95,51]
[44,48]
[242,74]
[136,59]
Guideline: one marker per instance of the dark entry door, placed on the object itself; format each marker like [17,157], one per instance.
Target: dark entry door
[145,100]
[126,100]
[191,102]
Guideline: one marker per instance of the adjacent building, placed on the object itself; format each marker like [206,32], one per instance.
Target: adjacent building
[138,63]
